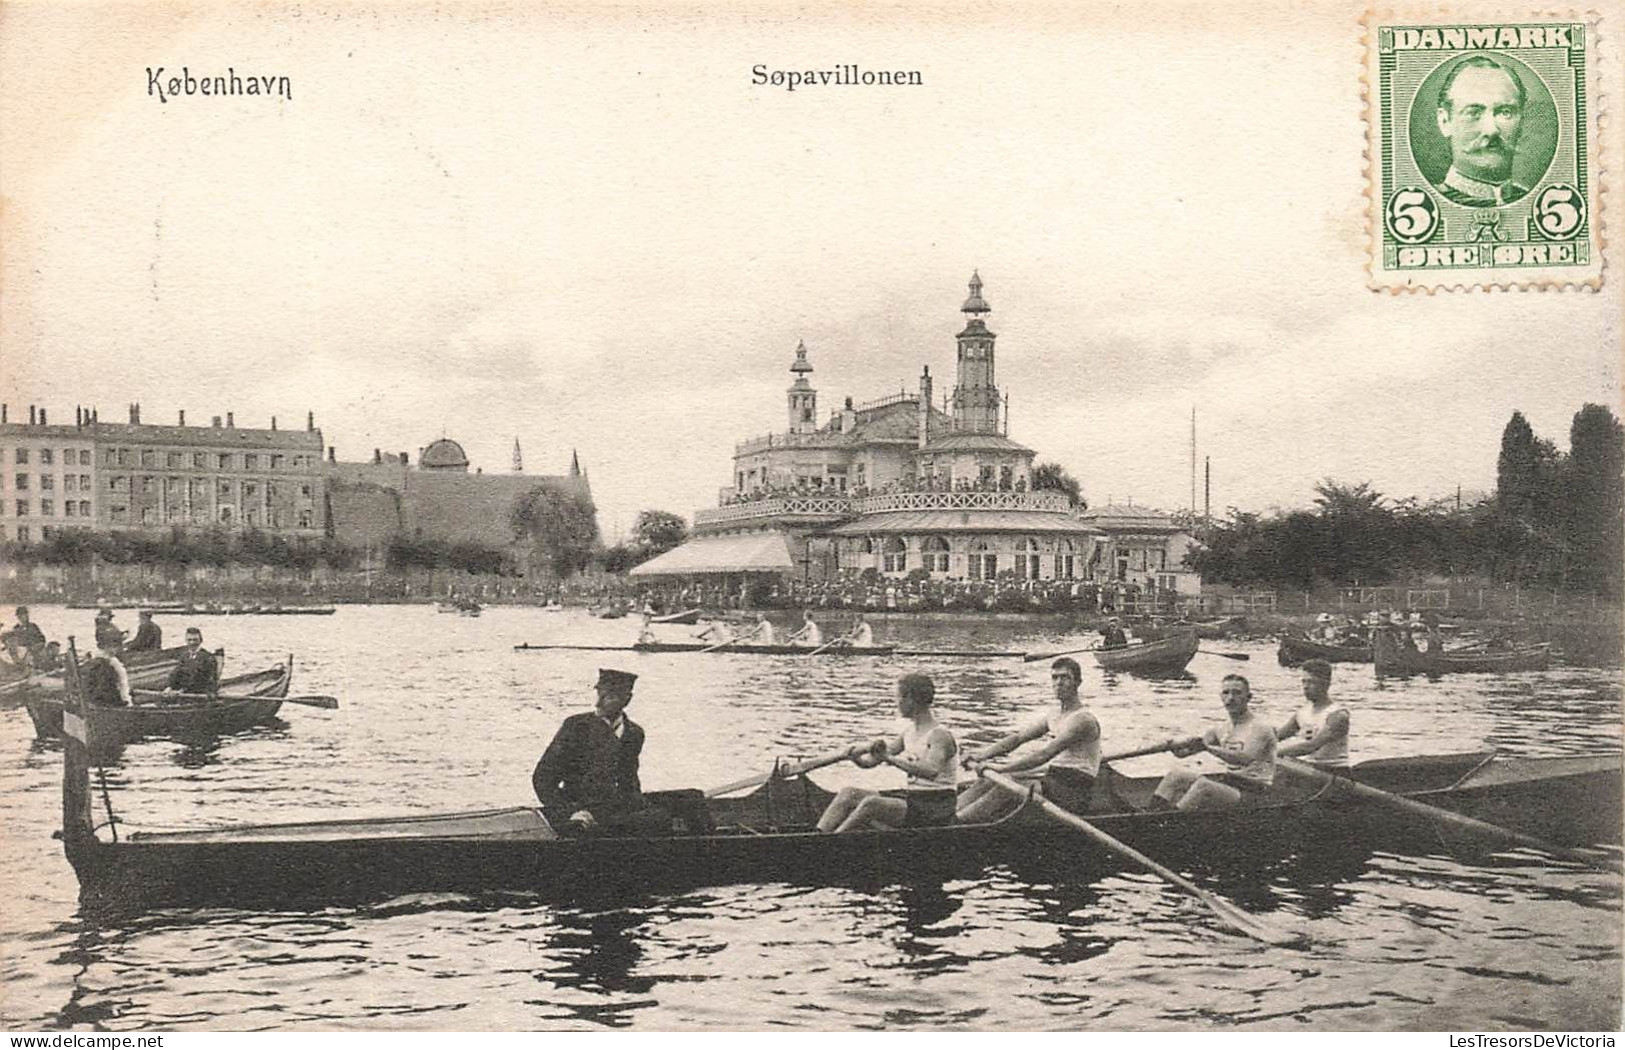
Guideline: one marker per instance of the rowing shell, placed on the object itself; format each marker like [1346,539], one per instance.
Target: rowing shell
[1168,656]
[777,650]
[769,835]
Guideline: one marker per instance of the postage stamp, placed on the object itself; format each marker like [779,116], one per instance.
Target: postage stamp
[1482,139]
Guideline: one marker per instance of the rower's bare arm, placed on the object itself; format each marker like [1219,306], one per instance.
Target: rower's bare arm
[1288,728]
[1335,729]
[1005,744]
[1079,730]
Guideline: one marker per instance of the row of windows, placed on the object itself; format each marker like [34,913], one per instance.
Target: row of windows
[151,457]
[47,482]
[982,562]
[198,488]
[251,517]
[47,508]
[47,456]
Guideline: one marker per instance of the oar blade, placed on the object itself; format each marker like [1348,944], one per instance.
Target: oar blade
[1254,926]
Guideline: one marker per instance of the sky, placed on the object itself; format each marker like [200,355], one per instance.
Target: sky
[588,229]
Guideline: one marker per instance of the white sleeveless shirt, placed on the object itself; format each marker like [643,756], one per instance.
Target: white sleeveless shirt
[1081,755]
[1310,724]
[916,747]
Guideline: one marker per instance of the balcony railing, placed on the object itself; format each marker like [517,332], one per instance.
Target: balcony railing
[788,439]
[838,506]
[994,500]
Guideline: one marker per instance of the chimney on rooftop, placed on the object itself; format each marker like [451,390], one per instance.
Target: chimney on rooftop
[33,415]
[182,418]
[78,416]
[377,455]
[925,407]
[230,421]
[330,450]
[4,409]
[95,415]
[404,461]
[273,422]
[42,415]
[214,421]
[310,421]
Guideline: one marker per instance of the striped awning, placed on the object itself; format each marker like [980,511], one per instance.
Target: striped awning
[745,552]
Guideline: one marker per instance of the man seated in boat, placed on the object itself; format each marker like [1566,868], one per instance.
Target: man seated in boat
[1324,726]
[861,636]
[1244,744]
[924,750]
[1325,630]
[1112,635]
[587,779]
[646,630]
[25,641]
[148,635]
[762,633]
[1066,764]
[106,682]
[808,633]
[717,633]
[1435,635]
[50,659]
[106,631]
[197,670]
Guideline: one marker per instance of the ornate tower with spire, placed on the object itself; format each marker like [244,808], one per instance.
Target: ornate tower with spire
[976,396]
[803,399]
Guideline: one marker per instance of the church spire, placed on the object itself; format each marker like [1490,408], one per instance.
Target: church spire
[518,458]
[802,399]
[575,464]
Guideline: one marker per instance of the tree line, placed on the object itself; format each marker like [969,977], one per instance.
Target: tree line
[1555,519]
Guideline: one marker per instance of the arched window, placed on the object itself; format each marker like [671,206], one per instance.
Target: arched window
[1027,558]
[1066,553]
[984,564]
[936,554]
[894,558]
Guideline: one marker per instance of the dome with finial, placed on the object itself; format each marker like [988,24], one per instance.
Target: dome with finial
[801,365]
[444,454]
[975,304]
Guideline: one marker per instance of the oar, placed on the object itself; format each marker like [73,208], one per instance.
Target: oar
[719,645]
[1149,749]
[1445,816]
[1227,656]
[1227,913]
[1032,657]
[785,771]
[328,703]
[826,645]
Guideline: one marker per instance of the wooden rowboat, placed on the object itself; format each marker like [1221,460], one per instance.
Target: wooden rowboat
[769,836]
[1168,656]
[148,669]
[1295,651]
[687,616]
[246,700]
[1394,659]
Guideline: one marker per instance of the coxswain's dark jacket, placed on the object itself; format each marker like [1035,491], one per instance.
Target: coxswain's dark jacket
[24,636]
[147,636]
[106,633]
[588,767]
[196,673]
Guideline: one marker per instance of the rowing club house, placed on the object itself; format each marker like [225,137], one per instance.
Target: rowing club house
[897,485]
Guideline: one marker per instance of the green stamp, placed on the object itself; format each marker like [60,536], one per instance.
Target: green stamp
[1480,139]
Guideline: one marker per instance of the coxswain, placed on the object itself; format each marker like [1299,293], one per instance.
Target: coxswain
[1244,744]
[1112,635]
[646,631]
[148,635]
[1323,725]
[808,633]
[924,750]
[197,671]
[106,682]
[1065,766]
[587,779]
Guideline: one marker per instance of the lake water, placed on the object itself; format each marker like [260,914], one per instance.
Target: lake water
[440,713]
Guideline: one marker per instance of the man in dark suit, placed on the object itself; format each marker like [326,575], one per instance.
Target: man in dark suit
[148,636]
[198,670]
[1480,113]
[587,780]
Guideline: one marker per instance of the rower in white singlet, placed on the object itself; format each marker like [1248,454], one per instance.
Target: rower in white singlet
[1321,726]
[924,750]
[1067,763]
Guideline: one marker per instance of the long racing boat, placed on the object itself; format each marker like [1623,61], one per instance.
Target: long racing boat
[770,835]
[748,649]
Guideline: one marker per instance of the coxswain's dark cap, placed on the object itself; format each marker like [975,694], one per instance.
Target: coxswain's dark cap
[616,681]
[104,614]
[22,610]
[145,614]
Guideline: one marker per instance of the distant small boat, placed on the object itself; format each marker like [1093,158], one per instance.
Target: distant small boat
[1394,659]
[243,701]
[1167,656]
[1294,651]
